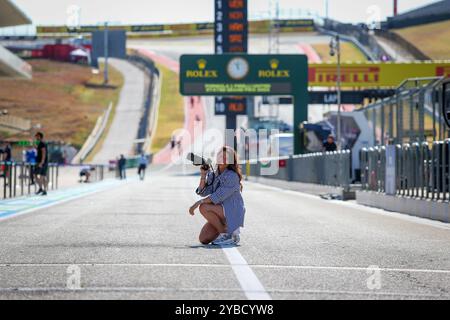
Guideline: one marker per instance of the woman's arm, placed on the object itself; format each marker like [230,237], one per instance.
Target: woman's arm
[205,187]
[203,174]
[198,204]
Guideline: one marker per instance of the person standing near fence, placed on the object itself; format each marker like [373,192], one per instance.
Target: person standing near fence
[30,159]
[122,167]
[7,153]
[143,163]
[41,164]
[5,156]
[330,144]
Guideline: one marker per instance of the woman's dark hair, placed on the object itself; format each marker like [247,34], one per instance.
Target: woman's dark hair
[234,165]
[40,135]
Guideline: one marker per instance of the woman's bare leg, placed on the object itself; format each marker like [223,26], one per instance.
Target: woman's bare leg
[208,234]
[215,216]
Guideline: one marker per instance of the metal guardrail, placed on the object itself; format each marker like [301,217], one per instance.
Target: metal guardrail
[13,66]
[331,168]
[149,117]
[17,179]
[360,36]
[328,169]
[421,170]
[414,114]
[94,137]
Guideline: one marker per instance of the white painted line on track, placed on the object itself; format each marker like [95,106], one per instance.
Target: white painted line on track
[250,284]
[396,215]
[103,186]
[236,262]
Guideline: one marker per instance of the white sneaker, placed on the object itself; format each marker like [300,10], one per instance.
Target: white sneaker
[236,239]
[223,240]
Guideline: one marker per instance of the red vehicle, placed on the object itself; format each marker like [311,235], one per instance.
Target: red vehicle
[58,52]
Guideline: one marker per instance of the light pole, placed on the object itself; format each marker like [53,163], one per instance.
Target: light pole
[335,49]
[106,80]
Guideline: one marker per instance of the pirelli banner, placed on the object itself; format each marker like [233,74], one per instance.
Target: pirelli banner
[370,75]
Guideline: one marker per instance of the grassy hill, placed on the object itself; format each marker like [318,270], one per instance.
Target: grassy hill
[65,99]
[171,109]
[349,52]
[432,39]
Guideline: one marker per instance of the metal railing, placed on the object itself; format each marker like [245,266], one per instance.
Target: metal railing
[148,120]
[18,179]
[361,37]
[421,170]
[414,114]
[331,168]
[328,169]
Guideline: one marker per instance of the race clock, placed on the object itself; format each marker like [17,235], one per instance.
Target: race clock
[238,68]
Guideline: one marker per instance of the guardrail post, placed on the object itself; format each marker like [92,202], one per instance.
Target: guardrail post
[10,180]
[14,167]
[445,170]
[4,180]
[434,170]
[51,174]
[391,172]
[22,178]
[290,164]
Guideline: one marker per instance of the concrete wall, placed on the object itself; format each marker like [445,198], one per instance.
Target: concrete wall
[435,210]
[13,66]
[309,188]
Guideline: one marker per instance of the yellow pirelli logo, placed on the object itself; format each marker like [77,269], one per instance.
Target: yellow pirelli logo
[374,74]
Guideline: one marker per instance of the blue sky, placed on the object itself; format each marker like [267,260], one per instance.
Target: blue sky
[55,12]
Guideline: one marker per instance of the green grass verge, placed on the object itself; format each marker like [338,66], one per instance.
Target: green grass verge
[171,109]
[432,39]
[349,52]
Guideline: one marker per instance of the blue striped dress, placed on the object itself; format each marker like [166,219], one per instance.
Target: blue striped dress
[225,190]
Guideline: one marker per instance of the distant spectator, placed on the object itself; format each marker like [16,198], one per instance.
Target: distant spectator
[179,145]
[41,164]
[173,142]
[86,173]
[7,153]
[143,163]
[30,159]
[330,144]
[64,157]
[122,167]
[5,156]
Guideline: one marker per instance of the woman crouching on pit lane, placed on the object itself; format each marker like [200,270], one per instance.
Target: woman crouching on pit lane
[223,206]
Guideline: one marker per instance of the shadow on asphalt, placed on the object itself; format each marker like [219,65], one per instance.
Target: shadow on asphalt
[212,247]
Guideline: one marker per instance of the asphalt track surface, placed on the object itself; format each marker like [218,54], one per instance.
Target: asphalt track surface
[136,240]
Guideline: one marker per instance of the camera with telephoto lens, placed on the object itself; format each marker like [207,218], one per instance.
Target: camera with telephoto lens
[199,161]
